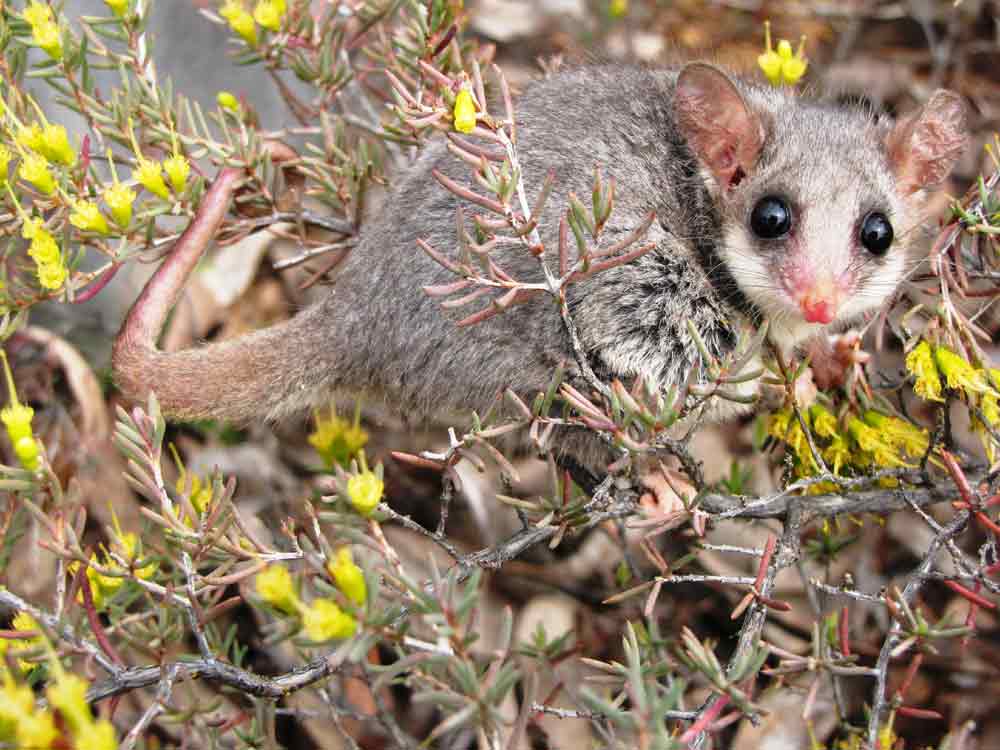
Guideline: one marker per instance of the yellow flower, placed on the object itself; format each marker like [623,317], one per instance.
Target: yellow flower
[785,426]
[793,67]
[990,409]
[52,276]
[777,424]
[886,738]
[177,168]
[150,176]
[27,451]
[69,694]
[239,20]
[35,169]
[118,7]
[618,8]
[88,217]
[364,490]
[227,101]
[201,491]
[37,14]
[16,418]
[128,545]
[837,454]
[268,14]
[32,227]
[349,577]
[993,376]
[102,587]
[959,374]
[899,433]
[96,735]
[16,701]
[44,249]
[36,730]
[120,198]
[274,586]
[782,66]
[24,623]
[30,136]
[49,38]
[5,157]
[55,145]
[323,620]
[877,447]
[824,423]
[147,173]
[464,112]
[920,364]
[336,440]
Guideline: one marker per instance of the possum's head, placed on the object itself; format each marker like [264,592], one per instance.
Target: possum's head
[818,203]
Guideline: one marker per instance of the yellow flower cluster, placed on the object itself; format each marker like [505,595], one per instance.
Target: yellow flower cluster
[781,66]
[920,364]
[45,31]
[16,418]
[68,694]
[322,619]
[49,140]
[886,441]
[45,153]
[44,250]
[869,440]
[21,724]
[43,148]
[936,367]
[267,13]
[149,173]
[39,156]
[104,587]
[24,725]
[23,623]
[886,741]
[336,440]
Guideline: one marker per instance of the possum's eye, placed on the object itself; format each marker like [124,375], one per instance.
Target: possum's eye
[876,233]
[771,218]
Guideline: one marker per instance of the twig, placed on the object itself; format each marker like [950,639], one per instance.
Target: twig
[915,581]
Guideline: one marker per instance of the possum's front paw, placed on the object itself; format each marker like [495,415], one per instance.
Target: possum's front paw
[832,358]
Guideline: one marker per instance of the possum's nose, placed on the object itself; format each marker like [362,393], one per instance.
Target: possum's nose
[820,301]
[818,310]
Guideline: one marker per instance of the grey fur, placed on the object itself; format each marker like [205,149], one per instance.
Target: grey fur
[376,332]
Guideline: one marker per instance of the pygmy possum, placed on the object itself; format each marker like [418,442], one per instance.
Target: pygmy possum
[768,204]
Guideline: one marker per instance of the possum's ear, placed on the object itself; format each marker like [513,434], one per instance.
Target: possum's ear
[924,146]
[720,128]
